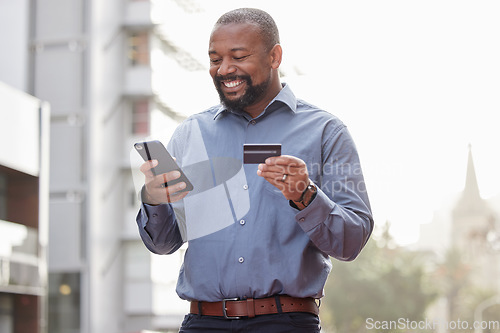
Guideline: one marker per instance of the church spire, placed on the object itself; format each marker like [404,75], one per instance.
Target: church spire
[470,200]
[471,190]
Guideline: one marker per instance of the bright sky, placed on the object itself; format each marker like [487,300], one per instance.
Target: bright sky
[415,81]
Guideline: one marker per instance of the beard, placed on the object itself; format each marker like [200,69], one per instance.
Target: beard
[251,95]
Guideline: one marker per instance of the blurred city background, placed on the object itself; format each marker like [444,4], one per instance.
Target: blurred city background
[417,83]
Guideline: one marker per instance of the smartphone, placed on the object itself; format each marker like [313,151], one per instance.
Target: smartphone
[155,150]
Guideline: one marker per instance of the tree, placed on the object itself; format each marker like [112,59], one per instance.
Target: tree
[454,280]
[385,283]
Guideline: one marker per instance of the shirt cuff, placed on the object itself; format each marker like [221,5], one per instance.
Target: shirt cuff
[155,214]
[316,212]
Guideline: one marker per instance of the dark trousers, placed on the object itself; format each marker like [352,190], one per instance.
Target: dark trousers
[294,322]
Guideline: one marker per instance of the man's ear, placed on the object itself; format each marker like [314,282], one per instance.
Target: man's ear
[276,54]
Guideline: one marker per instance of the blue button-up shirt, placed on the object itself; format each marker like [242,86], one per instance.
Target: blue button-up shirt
[244,238]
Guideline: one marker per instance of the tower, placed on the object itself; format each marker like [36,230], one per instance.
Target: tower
[472,221]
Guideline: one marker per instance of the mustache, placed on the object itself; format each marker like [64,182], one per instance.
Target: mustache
[219,78]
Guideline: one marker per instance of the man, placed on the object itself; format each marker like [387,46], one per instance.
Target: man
[263,271]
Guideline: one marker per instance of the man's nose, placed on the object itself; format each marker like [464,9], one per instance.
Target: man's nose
[226,67]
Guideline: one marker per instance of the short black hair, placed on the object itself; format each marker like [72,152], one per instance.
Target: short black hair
[262,19]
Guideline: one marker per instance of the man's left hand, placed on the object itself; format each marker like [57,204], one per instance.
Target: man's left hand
[288,173]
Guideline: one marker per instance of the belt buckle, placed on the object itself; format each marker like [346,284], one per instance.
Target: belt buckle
[224,310]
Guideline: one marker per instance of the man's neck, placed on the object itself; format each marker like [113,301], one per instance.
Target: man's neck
[256,109]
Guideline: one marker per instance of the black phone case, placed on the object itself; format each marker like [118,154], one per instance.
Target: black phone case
[155,150]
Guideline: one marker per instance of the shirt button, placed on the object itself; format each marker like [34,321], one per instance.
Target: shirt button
[155,215]
[241,260]
[245,187]
[302,219]
[242,222]
[253,122]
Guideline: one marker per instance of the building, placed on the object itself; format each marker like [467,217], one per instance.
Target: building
[464,238]
[24,133]
[471,225]
[107,68]
[473,221]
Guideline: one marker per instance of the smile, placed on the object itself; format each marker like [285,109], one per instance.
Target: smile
[232,84]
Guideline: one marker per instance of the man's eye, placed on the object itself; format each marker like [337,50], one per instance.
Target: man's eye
[241,58]
[215,61]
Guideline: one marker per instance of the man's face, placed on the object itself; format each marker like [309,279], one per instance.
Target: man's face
[240,65]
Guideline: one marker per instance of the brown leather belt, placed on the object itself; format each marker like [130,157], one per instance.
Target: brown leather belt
[251,307]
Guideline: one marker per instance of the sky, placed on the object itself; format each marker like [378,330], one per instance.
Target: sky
[416,82]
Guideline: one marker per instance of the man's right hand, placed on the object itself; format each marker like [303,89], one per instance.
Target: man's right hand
[155,191]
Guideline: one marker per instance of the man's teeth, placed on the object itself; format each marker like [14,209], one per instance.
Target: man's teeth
[233,84]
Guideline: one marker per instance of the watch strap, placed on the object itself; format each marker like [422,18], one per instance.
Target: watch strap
[306,198]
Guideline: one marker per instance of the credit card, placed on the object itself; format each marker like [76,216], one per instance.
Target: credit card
[254,153]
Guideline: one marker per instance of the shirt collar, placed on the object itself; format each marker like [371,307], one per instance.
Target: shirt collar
[285,96]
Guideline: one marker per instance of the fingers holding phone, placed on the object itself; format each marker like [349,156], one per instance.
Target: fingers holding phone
[165,181]
[157,189]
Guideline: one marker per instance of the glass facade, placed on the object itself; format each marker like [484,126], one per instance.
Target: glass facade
[64,300]
[6,313]
[140,117]
[19,259]
[23,211]
[138,48]
[3,196]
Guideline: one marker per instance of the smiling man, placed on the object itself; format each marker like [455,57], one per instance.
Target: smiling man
[264,270]
[243,64]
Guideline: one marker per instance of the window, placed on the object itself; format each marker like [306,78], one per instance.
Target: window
[3,197]
[6,314]
[138,49]
[140,117]
[64,302]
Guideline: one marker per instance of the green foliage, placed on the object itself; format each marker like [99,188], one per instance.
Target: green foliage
[455,283]
[385,283]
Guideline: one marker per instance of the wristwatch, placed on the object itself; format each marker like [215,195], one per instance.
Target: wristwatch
[307,196]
